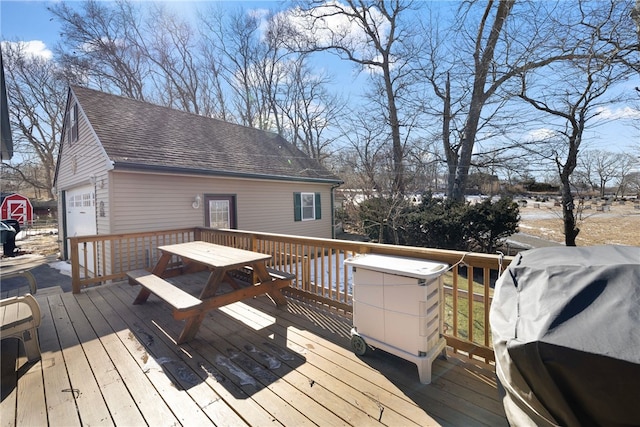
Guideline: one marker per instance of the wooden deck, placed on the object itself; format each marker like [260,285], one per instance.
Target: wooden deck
[108,362]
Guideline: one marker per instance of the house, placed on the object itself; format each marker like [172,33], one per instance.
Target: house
[130,166]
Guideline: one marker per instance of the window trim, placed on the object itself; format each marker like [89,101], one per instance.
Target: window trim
[72,123]
[303,207]
[298,207]
[233,213]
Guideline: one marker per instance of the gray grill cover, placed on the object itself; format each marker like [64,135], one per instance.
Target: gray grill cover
[566,333]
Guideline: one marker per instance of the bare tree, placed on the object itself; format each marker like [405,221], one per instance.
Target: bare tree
[626,172]
[235,39]
[473,67]
[368,152]
[99,42]
[37,93]
[213,71]
[270,86]
[598,168]
[171,45]
[577,93]
[424,163]
[378,37]
[309,110]
[486,40]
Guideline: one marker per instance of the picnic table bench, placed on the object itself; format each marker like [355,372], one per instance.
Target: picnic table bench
[220,261]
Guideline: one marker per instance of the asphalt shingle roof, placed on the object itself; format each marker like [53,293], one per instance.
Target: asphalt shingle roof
[138,134]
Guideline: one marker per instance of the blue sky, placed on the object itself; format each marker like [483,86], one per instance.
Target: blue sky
[30,21]
[27,20]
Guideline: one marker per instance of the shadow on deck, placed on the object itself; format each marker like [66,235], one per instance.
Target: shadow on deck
[106,361]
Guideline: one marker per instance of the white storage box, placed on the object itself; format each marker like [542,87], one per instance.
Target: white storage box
[396,308]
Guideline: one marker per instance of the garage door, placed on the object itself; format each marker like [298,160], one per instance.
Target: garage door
[81,220]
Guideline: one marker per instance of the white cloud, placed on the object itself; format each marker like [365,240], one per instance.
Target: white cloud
[259,14]
[542,134]
[607,113]
[33,48]
[325,25]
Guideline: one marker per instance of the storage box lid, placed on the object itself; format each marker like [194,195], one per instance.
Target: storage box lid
[401,266]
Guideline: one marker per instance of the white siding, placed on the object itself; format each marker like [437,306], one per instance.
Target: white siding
[147,202]
[78,162]
[81,159]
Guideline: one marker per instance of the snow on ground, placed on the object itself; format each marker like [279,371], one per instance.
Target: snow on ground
[62,266]
[26,233]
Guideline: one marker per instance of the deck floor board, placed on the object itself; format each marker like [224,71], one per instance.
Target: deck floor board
[159,356]
[108,362]
[61,403]
[273,395]
[391,388]
[356,384]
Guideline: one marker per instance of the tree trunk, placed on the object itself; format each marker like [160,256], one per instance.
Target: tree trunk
[569,219]
[394,123]
[483,57]
[570,229]
[449,152]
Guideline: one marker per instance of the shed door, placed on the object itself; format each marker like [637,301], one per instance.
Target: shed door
[220,211]
[17,209]
[81,220]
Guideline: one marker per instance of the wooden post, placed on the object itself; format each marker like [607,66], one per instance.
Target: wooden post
[254,243]
[75,265]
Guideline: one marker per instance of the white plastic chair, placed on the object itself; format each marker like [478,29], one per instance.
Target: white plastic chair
[20,319]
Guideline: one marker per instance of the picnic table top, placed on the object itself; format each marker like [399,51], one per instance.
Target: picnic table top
[213,255]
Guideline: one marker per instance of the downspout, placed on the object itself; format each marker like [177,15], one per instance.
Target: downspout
[333,212]
[62,205]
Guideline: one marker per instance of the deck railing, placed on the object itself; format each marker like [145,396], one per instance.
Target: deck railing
[318,265]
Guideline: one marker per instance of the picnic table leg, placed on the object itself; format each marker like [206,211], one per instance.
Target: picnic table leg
[276,295]
[158,270]
[215,278]
[162,263]
[191,328]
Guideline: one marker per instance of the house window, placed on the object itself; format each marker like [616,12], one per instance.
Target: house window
[219,213]
[306,206]
[72,130]
[220,210]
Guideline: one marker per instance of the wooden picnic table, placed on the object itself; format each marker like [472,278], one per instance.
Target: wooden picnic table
[220,261]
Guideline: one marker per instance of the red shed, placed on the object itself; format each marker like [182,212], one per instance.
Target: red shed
[18,207]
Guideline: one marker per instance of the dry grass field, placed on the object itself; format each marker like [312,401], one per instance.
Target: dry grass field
[620,225]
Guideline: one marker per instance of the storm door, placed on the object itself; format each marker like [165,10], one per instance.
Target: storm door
[220,211]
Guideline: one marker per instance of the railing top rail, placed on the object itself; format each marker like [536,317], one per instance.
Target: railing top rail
[130,250]
[100,237]
[481,260]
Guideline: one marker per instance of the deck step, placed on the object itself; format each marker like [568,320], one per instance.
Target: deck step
[176,297]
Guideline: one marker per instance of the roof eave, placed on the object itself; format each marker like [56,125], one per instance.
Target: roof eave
[142,167]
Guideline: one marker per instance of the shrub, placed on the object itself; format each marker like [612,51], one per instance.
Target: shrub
[382,219]
[488,223]
[438,223]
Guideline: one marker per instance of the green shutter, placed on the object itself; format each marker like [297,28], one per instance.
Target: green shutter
[318,207]
[76,125]
[297,207]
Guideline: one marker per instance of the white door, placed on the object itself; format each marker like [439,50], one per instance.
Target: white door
[81,220]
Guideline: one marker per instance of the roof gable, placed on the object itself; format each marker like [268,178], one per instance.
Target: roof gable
[140,135]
